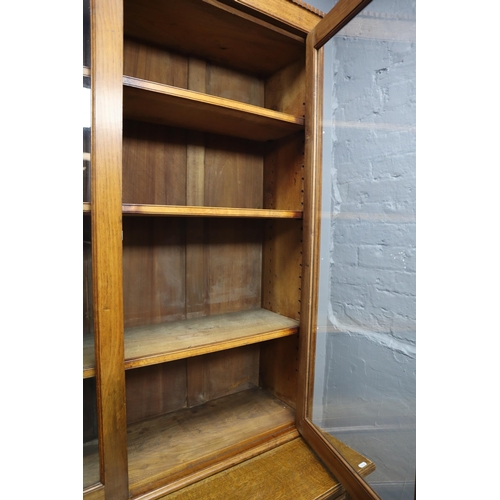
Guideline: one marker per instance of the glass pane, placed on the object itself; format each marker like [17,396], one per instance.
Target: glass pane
[90,443]
[324,6]
[364,391]
[91,473]
[88,316]
[87,120]
[86,33]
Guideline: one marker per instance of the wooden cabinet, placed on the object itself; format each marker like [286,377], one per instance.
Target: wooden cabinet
[195,371]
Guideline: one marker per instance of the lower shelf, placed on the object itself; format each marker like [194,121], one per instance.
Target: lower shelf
[186,445]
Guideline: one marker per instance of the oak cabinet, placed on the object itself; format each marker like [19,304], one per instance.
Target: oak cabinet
[193,363]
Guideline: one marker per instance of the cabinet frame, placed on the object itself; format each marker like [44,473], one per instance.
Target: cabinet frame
[106,210]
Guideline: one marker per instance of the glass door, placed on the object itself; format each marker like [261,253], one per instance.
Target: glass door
[361,282]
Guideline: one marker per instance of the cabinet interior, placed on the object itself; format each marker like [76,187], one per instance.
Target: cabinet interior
[211,300]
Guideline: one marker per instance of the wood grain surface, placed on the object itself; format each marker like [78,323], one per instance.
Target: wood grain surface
[222,373]
[282,267]
[278,368]
[197,211]
[335,20]
[291,471]
[157,103]
[153,270]
[163,449]
[106,179]
[345,470]
[285,89]
[212,33]
[155,390]
[158,343]
[287,12]
[160,65]
[154,267]
[284,174]
[154,164]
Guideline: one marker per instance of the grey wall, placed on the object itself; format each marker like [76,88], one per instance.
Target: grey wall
[366,345]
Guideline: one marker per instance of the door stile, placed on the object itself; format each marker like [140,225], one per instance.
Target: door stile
[311,225]
[106,213]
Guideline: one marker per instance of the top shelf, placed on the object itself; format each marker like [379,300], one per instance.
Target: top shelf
[214,31]
[158,103]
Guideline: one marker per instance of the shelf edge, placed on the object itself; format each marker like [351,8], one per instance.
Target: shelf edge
[205,346]
[211,100]
[208,348]
[202,211]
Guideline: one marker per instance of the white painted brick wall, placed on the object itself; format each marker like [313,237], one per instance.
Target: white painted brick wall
[366,363]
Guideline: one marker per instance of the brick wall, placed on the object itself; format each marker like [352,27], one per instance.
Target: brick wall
[365,376]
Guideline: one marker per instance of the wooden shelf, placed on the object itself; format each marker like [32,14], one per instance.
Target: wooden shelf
[222,432]
[153,344]
[191,211]
[200,211]
[158,103]
[183,442]
[213,31]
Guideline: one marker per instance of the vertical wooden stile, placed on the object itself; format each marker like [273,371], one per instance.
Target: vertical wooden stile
[311,229]
[106,74]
